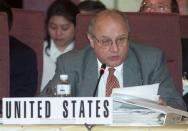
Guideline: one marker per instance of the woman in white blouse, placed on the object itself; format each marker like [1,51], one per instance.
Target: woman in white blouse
[60,24]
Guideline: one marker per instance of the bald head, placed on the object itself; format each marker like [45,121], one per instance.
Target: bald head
[105,17]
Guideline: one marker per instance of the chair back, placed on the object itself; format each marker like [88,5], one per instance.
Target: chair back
[82,22]
[4,56]
[184,26]
[154,29]
[162,31]
[28,27]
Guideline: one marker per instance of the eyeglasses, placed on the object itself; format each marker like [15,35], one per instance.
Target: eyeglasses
[158,7]
[107,42]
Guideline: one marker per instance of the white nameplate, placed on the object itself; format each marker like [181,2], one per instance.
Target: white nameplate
[57,110]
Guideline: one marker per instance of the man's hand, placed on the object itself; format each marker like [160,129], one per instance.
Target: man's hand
[162,102]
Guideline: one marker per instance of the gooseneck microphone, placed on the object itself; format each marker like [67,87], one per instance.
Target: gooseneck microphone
[102,69]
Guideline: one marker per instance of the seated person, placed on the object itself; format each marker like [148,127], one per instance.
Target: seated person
[23,63]
[133,64]
[90,6]
[60,24]
[160,6]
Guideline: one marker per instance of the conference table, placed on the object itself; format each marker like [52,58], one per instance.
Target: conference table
[177,127]
[183,126]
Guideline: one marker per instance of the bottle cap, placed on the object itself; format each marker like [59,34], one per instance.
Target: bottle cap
[64,77]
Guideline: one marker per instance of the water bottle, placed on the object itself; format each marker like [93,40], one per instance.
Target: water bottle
[63,88]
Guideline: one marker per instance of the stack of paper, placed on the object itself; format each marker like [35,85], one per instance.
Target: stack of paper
[130,114]
[125,112]
[141,110]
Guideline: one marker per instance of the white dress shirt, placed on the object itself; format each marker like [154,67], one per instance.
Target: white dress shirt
[49,62]
[102,84]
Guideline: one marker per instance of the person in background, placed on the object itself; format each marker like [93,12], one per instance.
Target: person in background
[183,7]
[160,6]
[126,63]
[89,6]
[23,63]
[60,25]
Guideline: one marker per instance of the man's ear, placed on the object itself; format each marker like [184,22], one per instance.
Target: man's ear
[91,41]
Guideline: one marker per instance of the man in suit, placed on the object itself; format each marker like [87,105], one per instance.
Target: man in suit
[23,63]
[134,64]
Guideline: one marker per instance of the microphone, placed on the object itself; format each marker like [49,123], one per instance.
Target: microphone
[102,69]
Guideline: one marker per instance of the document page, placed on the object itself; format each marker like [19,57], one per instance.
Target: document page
[144,91]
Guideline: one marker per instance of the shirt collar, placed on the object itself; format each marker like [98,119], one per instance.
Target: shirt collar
[54,52]
[118,69]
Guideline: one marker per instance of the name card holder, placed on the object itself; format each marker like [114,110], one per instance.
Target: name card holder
[57,110]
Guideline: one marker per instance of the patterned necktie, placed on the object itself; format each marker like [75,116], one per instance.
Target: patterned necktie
[112,82]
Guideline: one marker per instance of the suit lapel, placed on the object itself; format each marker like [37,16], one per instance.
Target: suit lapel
[131,73]
[90,75]
[132,70]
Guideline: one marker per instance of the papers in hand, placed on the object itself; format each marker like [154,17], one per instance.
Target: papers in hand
[145,91]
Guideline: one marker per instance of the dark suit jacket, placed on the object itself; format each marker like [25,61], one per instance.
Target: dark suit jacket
[184,42]
[144,65]
[23,69]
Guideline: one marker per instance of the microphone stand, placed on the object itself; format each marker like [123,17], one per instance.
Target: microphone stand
[103,66]
[95,91]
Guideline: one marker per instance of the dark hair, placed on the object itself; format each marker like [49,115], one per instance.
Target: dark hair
[65,8]
[4,7]
[89,5]
[174,6]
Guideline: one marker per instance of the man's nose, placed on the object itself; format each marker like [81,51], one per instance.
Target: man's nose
[114,47]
